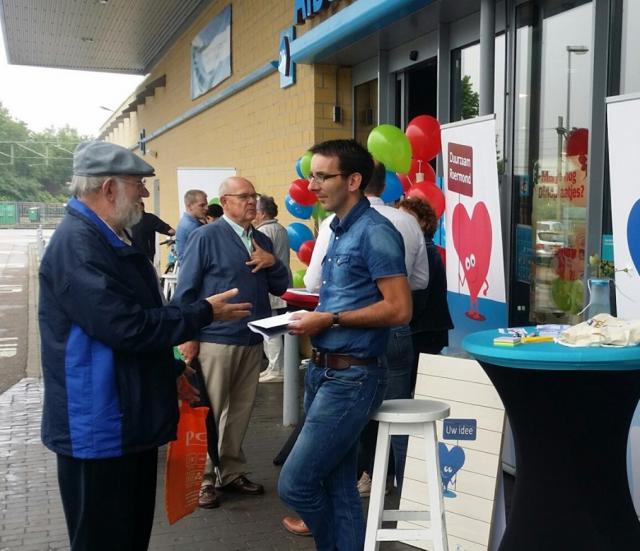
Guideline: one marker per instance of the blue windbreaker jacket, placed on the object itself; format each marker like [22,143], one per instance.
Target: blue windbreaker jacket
[107,359]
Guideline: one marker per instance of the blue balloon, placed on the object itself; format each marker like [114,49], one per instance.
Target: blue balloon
[297,210]
[299,168]
[393,189]
[633,234]
[298,233]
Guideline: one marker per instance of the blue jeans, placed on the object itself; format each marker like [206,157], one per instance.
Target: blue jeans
[318,480]
[399,360]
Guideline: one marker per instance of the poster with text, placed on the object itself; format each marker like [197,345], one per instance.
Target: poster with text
[623,117]
[211,54]
[475,266]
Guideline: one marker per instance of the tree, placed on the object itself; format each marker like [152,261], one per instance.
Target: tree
[470,99]
[34,166]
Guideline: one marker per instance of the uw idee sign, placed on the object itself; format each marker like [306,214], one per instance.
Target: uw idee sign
[304,9]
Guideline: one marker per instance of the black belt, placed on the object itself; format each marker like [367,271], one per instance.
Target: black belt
[334,360]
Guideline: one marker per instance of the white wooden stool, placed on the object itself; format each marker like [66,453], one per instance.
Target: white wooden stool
[402,417]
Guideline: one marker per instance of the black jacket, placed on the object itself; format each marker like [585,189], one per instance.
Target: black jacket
[107,359]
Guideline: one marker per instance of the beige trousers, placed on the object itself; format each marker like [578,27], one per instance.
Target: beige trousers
[231,376]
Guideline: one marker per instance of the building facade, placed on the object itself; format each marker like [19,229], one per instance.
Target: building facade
[543,67]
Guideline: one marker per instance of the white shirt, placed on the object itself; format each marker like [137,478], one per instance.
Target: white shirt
[415,251]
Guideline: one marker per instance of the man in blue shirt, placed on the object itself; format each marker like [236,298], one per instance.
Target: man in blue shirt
[364,292]
[195,206]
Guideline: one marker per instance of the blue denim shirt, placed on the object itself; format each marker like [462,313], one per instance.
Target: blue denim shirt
[364,247]
[186,225]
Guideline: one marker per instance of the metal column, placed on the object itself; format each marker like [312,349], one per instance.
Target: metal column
[487,55]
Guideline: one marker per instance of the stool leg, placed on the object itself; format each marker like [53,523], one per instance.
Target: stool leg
[378,482]
[436,503]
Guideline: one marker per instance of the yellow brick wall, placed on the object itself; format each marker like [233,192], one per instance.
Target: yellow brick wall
[260,131]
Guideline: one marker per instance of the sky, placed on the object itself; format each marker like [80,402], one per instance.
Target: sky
[43,97]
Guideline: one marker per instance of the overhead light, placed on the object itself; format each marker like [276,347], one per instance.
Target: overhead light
[103,1]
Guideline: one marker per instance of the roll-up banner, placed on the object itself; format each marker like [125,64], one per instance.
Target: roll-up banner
[623,126]
[475,267]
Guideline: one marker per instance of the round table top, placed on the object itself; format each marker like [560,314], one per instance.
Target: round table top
[550,355]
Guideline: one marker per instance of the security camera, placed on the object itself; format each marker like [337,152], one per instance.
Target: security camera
[413,55]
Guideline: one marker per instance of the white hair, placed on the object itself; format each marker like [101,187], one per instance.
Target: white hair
[85,185]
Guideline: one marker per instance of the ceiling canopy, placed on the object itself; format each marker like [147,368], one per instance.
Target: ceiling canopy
[117,36]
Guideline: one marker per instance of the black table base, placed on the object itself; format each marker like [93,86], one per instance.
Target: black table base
[570,434]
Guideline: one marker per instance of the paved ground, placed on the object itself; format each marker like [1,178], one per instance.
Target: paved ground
[31,516]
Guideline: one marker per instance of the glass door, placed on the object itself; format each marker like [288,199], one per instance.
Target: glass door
[552,101]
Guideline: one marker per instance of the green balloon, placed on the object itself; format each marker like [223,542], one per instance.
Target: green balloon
[390,146]
[561,294]
[298,276]
[319,213]
[305,164]
[214,201]
[577,296]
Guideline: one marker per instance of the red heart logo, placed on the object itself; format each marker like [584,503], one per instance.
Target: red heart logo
[472,241]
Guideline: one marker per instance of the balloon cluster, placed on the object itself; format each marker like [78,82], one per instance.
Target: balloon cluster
[302,203]
[406,157]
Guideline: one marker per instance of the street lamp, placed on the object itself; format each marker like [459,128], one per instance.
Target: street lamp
[579,50]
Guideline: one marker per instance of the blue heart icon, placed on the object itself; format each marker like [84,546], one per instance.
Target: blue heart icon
[633,234]
[451,461]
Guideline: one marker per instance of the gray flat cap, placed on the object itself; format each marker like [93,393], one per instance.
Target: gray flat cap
[107,159]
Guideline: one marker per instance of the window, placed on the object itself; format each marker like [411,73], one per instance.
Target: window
[465,95]
[551,131]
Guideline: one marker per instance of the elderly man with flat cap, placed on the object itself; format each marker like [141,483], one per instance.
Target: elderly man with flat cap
[110,396]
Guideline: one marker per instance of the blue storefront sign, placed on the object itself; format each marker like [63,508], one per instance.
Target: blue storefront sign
[304,9]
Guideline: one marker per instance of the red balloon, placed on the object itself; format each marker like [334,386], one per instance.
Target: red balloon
[299,192]
[306,250]
[578,142]
[423,132]
[430,194]
[443,254]
[425,167]
[404,180]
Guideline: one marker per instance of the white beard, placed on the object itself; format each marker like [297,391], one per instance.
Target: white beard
[127,213]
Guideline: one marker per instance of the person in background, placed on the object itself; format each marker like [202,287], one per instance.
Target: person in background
[195,207]
[399,354]
[143,234]
[110,396]
[214,212]
[364,292]
[230,252]
[267,223]
[431,319]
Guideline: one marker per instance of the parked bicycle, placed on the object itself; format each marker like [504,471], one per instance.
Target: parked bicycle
[170,275]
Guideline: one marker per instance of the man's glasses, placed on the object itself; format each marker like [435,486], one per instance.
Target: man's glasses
[139,183]
[321,178]
[244,196]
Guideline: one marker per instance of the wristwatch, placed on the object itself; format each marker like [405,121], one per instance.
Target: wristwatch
[336,319]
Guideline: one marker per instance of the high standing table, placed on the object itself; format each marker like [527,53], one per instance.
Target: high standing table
[290,400]
[570,410]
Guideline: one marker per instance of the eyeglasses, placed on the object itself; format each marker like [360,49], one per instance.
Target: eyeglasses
[321,178]
[139,183]
[243,196]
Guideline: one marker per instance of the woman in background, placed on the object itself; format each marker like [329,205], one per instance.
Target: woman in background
[431,320]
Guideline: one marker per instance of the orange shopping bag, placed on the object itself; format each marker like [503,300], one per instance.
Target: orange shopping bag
[185,463]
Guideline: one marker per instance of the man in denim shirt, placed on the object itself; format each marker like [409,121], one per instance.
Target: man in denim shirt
[364,292]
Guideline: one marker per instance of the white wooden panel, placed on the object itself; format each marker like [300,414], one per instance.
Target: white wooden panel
[465,387]
[441,366]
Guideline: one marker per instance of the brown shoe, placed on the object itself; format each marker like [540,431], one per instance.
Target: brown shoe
[242,485]
[296,526]
[208,499]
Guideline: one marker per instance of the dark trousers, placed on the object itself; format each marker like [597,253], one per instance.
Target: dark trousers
[109,503]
